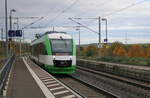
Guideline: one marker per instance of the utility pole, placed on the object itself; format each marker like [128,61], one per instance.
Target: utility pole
[99,32]
[10,17]
[53,28]
[6,31]
[106,33]
[78,29]
[126,38]
[106,39]
[2,34]
[17,23]
[2,37]
[20,36]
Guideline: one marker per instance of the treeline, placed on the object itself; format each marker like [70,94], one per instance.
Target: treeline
[15,47]
[2,49]
[117,52]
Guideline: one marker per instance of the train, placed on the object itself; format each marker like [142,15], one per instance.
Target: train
[55,52]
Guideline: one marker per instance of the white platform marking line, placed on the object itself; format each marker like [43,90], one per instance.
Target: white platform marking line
[61,92]
[57,88]
[49,82]
[69,96]
[44,89]
[53,85]
[43,78]
[43,74]
[67,88]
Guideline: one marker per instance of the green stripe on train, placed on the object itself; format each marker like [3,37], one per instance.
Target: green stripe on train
[47,44]
[60,70]
[74,48]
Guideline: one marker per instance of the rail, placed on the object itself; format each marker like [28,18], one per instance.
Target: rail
[131,71]
[4,73]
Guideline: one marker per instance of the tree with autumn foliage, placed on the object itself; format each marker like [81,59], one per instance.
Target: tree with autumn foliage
[136,51]
[114,48]
[91,50]
[148,52]
[103,51]
[120,51]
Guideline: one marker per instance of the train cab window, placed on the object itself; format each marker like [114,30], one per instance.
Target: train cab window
[61,45]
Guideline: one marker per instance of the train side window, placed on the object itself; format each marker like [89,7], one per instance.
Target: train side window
[42,49]
[39,49]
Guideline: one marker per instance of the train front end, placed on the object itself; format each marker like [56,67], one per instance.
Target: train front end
[62,54]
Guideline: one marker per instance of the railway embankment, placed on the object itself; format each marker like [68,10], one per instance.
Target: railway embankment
[136,72]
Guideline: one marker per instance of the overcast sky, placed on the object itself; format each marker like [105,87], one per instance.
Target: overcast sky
[128,20]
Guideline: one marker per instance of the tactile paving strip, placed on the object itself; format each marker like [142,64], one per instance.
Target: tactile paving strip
[58,89]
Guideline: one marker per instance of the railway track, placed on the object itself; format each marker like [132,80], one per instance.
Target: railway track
[82,89]
[86,90]
[51,87]
[92,84]
[142,84]
[141,73]
[117,86]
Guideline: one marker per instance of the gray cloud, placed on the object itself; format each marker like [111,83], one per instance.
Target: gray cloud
[134,16]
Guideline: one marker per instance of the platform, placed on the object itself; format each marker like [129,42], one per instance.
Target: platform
[21,83]
[28,80]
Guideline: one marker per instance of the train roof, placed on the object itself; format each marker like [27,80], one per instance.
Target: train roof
[59,36]
[54,35]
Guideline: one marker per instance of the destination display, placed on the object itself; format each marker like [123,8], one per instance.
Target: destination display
[15,33]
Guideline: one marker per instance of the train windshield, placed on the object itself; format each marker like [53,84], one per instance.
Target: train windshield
[61,46]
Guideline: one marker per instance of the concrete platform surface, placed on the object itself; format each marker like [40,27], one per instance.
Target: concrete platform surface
[21,83]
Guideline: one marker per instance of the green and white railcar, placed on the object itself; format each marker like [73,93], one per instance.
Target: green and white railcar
[56,52]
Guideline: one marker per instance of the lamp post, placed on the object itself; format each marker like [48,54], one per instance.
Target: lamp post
[100,44]
[6,27]
[10,20]
[78,29]
[106,40]
[99,32]
[10,17]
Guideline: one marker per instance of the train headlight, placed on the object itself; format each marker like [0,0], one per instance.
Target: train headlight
[54,57]
[70,57]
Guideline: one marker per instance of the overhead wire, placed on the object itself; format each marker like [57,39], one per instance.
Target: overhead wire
[63,11]
[91,22]
[122,9]
[32,23]
[44,17]
[84,26]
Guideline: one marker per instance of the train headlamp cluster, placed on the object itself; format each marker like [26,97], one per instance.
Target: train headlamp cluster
[54,57]
[70,57]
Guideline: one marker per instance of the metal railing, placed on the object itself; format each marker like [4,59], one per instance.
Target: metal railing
[4,73]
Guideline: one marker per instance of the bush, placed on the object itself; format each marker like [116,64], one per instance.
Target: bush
[91,51]
[112,47]
[148,52]
[136,51]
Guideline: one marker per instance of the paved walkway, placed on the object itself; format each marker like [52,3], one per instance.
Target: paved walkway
[22,84]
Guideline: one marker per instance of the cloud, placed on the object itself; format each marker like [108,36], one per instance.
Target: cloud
[132,20]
